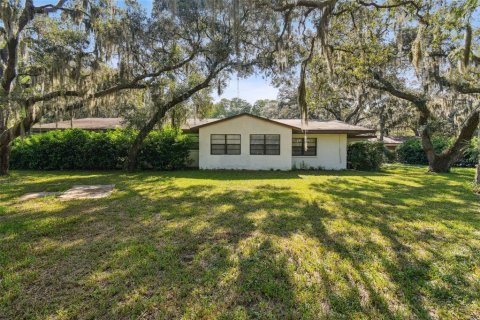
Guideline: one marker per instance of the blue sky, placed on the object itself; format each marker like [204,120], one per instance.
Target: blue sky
[251,89]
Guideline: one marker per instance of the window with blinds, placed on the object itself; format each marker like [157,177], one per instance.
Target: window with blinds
[298,147]
[225,144]
[264,144]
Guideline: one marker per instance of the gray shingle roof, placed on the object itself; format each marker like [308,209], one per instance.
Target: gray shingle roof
[192,125]
[313,126]
[395,140]
[316,125]
[84,123]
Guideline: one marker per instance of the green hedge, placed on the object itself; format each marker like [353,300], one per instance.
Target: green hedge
[411,152]
[365,155]
[470,155]
[167,149]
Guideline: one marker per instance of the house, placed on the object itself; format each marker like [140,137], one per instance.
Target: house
[93,124]
[251,142]
[392,143]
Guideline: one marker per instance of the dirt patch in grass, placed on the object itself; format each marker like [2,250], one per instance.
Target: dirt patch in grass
[75,193]
[87,192]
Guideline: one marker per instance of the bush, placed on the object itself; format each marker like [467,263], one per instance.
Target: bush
[167,149]
[470,155]
[389,156]
[365,155]
[411,152]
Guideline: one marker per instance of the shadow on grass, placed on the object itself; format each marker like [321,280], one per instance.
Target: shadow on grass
[161,250]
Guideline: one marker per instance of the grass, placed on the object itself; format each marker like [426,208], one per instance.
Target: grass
[398,243]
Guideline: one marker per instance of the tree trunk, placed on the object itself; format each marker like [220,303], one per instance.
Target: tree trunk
[132,158]
[442,162]
[131,163]
[382,123]
[440,165]
[4,147]
[4,159]
[7,135]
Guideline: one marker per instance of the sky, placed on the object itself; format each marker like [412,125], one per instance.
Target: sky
[252,88]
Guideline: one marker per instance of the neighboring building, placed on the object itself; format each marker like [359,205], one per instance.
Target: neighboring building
[251,142]
[392,143]
[94,124]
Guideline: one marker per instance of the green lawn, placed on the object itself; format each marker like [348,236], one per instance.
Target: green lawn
[231,244]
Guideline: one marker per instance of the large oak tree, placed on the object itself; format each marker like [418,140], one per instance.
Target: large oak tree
[421,52]
[67,55]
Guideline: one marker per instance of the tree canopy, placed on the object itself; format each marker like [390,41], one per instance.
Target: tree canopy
[387,64]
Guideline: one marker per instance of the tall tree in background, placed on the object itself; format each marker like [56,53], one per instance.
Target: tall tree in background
[422,52]
[20,89]
[69,55]
[445,68]
[229,107]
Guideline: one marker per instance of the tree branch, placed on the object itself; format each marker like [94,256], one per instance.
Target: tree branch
[359,107]
[396,5]
[388,6]
[48,8]
[27,15]
[463,88]
[464,136]
[385,85]
[50,96]
[306,4]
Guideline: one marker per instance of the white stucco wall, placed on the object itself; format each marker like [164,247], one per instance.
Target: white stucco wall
[331,153]
[245,126]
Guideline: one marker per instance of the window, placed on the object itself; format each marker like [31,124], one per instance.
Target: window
[225,144]
[264,144]
[298,147]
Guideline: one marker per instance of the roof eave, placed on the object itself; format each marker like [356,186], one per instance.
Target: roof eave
[190,130]
[239,115]
[335,131]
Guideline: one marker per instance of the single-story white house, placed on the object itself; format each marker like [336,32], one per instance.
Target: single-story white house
[250,142]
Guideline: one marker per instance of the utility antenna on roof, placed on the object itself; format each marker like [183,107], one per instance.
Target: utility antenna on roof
[238,86]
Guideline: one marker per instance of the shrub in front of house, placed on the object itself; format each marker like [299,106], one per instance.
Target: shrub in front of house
[365,155]
[470,156]
[411,152]
[167,149]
